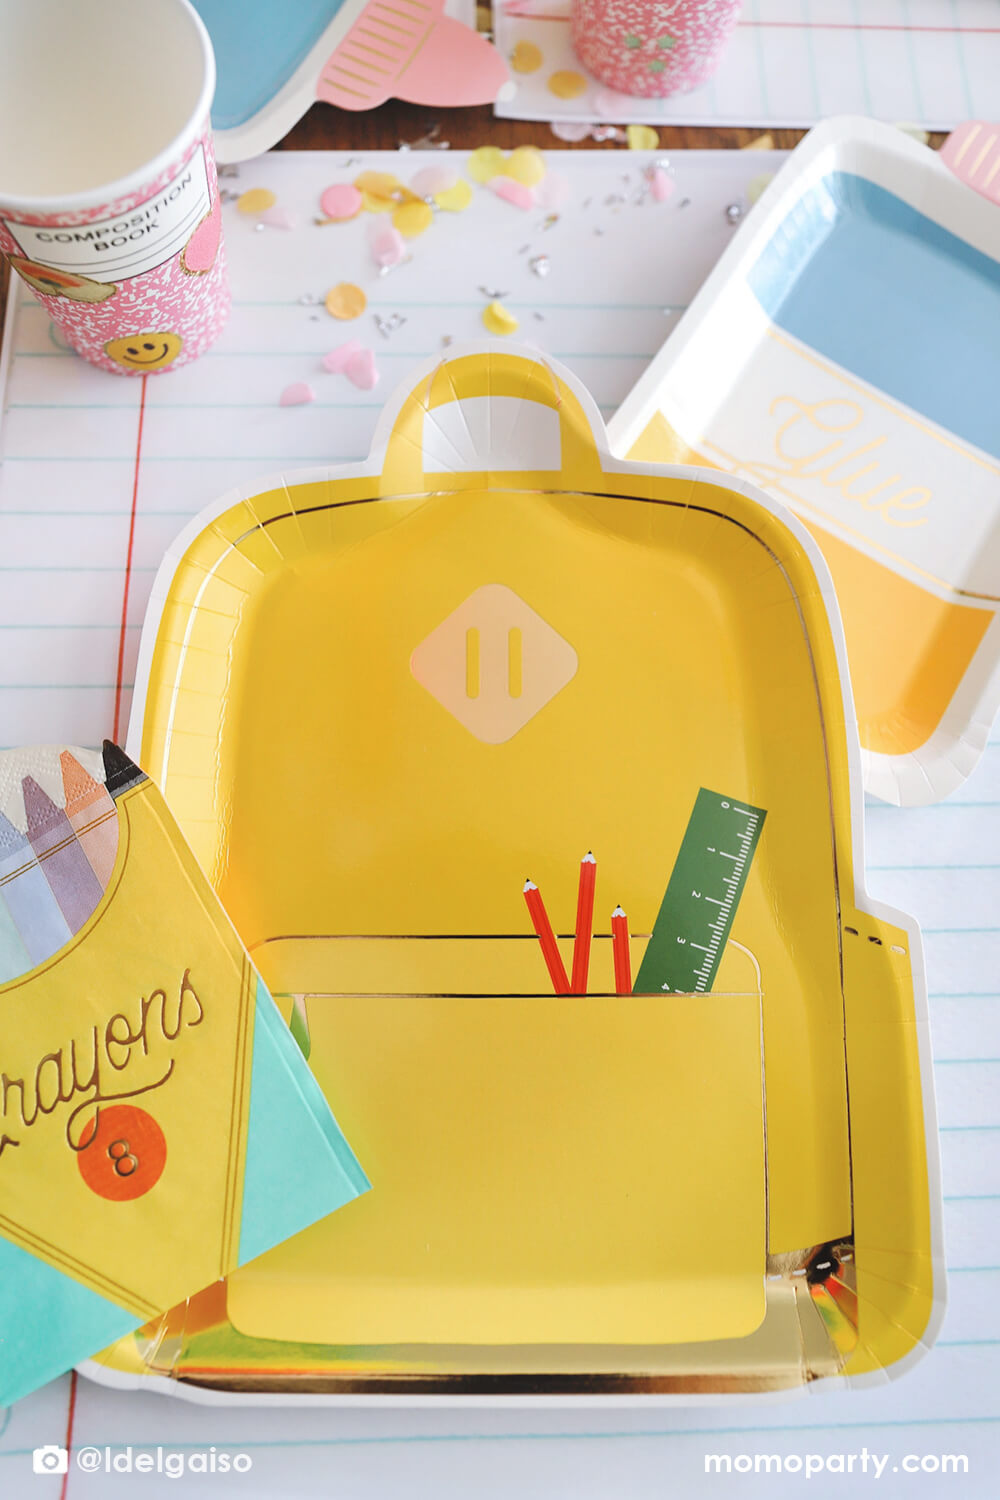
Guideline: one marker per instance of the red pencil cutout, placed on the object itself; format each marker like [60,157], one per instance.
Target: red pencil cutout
[584,924]
[623,957]
[546,937]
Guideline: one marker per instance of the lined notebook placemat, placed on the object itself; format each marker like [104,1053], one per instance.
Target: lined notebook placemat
[99,474]
[789,63]
[93,473]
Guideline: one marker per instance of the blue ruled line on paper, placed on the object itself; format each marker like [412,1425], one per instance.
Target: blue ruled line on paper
[944,837]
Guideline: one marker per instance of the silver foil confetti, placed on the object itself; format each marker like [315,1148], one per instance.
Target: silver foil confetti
[734,212]
[387,326]
[540,265]
[491,294]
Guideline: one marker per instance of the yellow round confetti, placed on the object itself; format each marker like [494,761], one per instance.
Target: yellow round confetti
[641,138]
[526,57]
[375,203]
[498,320]
[255,200]
[566,84]
[379,184]
[454,199]
[485,163]
[345,301]
[526,165]
[412,219]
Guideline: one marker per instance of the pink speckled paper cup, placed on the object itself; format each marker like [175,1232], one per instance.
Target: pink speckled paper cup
[652,48]
[109,203]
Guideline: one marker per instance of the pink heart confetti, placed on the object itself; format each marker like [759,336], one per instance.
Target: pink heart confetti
[338,359]
[661,184]
[513,192]
[297,394]
[341,201]
[277,217]
[362,371]
[567,130]
[431,180]
[553,191]
[388,245]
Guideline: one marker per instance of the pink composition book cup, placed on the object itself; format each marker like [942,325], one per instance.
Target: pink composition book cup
[109,204]
[652,48]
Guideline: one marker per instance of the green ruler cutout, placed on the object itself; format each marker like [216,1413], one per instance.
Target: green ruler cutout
[705,887]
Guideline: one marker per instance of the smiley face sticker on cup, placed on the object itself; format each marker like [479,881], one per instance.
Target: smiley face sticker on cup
[145,351]
[123,1153]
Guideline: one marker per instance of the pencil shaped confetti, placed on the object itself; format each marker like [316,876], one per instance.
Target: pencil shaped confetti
[92,815]
[584,924]
[546,938]
[28,896]
[64,864]
[622,955]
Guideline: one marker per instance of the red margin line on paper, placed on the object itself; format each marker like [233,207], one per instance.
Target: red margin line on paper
[70,1414]
[128,564]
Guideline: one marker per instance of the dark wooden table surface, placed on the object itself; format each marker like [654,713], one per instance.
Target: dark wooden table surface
[327,129]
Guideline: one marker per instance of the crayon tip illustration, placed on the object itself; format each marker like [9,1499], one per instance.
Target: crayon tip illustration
[92,814]
[12,840]
[60,854]
[41,926]
[588,858]
[78,784]
[43,814]
[120,772]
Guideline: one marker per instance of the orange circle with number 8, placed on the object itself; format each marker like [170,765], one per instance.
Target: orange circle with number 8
[123,1153]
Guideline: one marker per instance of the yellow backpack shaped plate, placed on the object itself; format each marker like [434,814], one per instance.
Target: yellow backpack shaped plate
[377,699]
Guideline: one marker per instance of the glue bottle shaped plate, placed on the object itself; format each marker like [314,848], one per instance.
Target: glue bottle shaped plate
[845,355]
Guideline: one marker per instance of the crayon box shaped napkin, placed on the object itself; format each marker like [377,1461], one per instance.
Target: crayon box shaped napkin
[158,1124]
